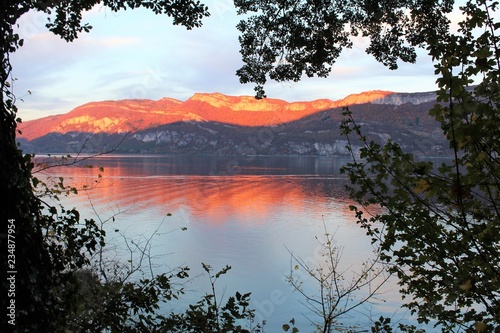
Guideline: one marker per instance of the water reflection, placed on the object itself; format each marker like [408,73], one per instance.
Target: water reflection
[251,193]
[244,212]
[213,165]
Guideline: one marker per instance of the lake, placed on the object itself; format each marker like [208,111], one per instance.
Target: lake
[248,212]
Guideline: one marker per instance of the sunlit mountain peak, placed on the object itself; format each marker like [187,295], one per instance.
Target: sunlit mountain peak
[131,115]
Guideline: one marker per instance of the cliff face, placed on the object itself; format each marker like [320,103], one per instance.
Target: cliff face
[220,124]
[403,98]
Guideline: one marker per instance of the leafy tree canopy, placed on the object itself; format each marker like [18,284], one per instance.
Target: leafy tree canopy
[284,40]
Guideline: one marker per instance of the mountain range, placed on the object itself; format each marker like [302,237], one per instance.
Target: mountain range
[214,123]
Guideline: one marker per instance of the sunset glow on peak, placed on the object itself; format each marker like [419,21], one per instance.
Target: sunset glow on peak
[128,115]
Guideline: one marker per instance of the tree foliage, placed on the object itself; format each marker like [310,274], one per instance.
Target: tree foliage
[210,314]
[285,40]
[50,244]
[441,223]
[439,230]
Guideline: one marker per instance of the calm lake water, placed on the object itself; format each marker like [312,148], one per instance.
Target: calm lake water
[246,212]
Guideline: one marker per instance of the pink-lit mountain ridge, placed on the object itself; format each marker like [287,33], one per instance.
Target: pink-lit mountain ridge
[132,115]
[217,123]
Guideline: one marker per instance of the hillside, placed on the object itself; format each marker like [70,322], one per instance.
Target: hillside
[220,124]
[132,115]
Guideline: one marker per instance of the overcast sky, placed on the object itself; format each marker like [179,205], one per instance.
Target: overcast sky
[136,54]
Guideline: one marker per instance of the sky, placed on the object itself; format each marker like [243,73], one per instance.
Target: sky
[136,54]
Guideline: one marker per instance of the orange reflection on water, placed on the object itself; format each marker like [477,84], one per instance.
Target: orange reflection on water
[212,199]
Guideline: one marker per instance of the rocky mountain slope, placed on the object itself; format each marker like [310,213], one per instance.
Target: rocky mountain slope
[220,124]
[132,115]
